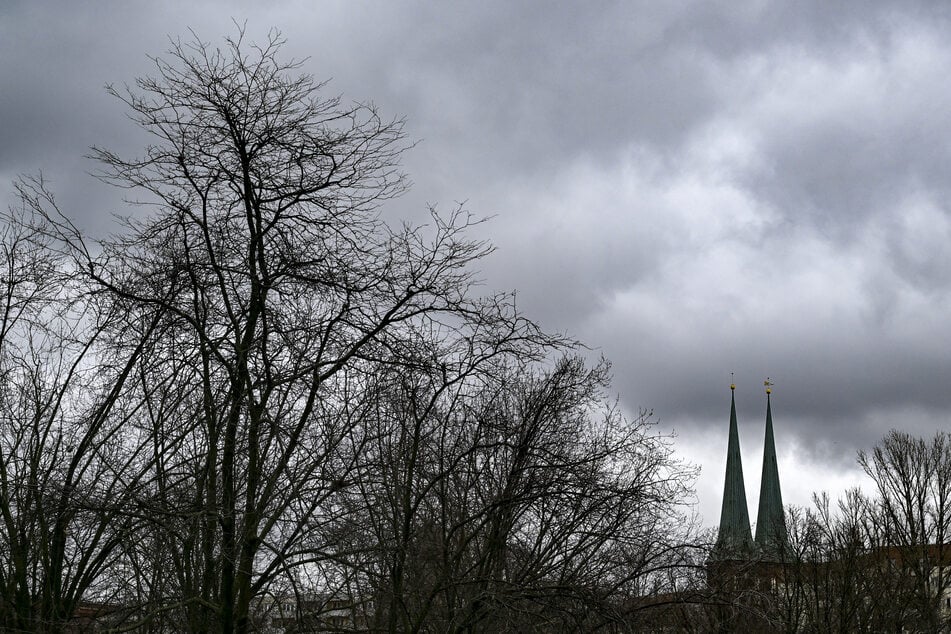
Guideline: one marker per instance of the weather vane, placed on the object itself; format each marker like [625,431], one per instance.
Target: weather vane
[768,385]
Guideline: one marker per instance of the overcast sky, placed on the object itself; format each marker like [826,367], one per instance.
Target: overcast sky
[690,188]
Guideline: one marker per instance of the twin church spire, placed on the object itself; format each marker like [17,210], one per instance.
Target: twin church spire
[734,539]
[734,535]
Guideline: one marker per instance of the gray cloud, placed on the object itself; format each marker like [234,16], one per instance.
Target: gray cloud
[691,188]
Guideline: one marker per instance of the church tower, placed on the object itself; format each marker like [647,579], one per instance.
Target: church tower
[734,540]
[770,521]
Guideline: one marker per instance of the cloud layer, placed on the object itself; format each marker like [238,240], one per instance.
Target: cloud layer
[693,189]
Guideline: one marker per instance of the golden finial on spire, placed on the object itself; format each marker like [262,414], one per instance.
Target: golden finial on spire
[732,384]
[768,385]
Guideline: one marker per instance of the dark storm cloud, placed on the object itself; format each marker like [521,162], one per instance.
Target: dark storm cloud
[692,188]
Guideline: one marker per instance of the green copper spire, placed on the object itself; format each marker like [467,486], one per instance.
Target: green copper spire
[734,538]
[770,522]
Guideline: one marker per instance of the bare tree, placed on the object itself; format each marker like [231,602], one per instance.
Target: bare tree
[272,289]
[259,399]
[515,502]
[913,480]
[68,463]
[870,562]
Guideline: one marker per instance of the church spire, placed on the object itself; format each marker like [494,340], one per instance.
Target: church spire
[770,522]
[733,539]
